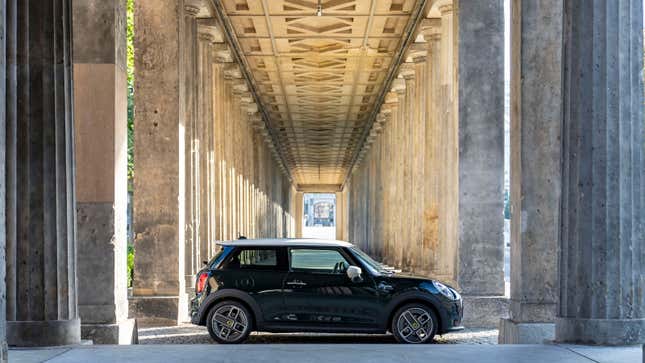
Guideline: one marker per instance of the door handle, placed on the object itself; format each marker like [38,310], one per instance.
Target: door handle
[296,283]
[385,287]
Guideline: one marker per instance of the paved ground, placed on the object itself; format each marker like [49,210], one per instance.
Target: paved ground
[331,353]
[191,334]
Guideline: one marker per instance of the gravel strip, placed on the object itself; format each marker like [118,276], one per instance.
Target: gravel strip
[192,334]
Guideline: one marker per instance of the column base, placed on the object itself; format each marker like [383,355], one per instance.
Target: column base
[511,332]
[43,333]
[123,332]
[4,352]
[153,311]
[600,331]
[484,311]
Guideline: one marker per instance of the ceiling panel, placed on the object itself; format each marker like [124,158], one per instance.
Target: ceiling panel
[319,77]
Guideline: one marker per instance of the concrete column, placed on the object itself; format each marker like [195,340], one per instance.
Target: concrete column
[299,214]
[193,133]
[159,186]
[536,122]
[448,149]
[431,31]
[206,36]
[3,196]
[40,192]
[602,227]
[100,112]
[480,112]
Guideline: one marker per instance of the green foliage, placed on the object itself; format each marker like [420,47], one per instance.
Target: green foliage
[130,264]
[130,63]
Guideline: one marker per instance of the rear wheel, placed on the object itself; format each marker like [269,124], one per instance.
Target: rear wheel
[229,322]
[414,324]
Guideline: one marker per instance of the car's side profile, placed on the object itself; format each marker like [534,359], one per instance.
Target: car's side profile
[300,285]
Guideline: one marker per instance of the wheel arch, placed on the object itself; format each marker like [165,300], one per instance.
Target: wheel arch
[232,295]
[413,298]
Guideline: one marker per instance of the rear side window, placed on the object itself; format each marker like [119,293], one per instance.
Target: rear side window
[250,258]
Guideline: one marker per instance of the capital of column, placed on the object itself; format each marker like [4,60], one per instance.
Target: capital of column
[390,98]
[446,9]
[191,10]
[222,53]
[208,30]
[417,53]
[232,71]
[431,29]
[398,86]
[407,71]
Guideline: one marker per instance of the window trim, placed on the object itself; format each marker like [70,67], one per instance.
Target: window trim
[340,250]
[281,258]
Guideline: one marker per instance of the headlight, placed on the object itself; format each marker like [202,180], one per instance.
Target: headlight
[444,290]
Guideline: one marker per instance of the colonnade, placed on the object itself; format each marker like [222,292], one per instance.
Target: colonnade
[427,194]
[219,179]
[577,167]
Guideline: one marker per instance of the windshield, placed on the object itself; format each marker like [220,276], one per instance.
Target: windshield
[374,267]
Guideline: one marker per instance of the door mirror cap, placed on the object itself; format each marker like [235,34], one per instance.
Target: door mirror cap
[355,273]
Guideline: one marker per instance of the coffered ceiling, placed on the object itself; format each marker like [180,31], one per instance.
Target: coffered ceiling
[319,77]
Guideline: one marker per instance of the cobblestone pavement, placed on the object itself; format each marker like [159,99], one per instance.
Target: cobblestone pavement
[191,334]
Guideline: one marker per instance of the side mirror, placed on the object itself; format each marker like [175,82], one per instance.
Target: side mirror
[354,273]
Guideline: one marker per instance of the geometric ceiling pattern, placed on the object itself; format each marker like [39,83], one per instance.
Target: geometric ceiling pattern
[318,77]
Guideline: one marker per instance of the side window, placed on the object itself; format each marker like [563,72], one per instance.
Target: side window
[317,261]
[253,259]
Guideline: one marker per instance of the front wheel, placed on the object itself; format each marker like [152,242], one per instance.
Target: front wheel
[414,324]
[229,322]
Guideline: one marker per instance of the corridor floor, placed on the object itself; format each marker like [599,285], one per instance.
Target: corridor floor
[331,353]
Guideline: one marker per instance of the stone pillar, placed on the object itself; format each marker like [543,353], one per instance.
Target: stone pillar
[159,186]
[448,149]
[431,30]
[40,218]
[190,89]
[3,197]
[536,121]
[100,113]
[206,36]
[602,229]
[480,112]
[299,213]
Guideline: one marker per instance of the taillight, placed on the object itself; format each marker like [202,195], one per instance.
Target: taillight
[201,281]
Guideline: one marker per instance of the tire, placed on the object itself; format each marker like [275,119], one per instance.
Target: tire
[229,322]
[414,324]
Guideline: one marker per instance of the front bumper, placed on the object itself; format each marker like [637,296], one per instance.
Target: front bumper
[454,312]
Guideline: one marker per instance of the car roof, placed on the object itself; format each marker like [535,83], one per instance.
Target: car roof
[281,242]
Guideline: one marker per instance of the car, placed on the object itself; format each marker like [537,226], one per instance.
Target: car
[310,285]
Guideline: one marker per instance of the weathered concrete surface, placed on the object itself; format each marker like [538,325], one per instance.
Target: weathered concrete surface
[334,353]
[512,332]
[159,185]
[481,147]
[100,111]
[484,311]
[536,122]
[3,195]
[601,299]
[40,201]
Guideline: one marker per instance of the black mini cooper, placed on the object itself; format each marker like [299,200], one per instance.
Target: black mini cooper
[301,285]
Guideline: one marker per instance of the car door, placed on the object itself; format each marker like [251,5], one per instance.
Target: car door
[318,293]
[260,272]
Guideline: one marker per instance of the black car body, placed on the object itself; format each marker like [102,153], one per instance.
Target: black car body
[300,285]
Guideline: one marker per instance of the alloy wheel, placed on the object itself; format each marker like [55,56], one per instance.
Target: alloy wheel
[229,323]
[415,325]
